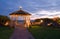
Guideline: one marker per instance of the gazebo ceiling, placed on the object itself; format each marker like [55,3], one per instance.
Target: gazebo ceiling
[20,12]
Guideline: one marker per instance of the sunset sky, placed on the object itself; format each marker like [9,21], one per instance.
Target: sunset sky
[38,8]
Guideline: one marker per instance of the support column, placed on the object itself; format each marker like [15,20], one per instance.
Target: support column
[16,21]
[26,21]
[29,22]
[11,23]
[24,18]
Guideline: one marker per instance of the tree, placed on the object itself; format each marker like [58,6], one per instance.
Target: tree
[3,19]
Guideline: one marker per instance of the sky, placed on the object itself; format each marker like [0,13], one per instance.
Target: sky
[38,8]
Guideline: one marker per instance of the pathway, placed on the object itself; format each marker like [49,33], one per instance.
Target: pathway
[21,32]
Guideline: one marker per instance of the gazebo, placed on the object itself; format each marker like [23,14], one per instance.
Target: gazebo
[21,13]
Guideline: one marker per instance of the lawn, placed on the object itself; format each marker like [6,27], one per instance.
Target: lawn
[40,32]
[5,32]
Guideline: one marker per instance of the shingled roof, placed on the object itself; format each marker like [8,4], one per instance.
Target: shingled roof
[20,12]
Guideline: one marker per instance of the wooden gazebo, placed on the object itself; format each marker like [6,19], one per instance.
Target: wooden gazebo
[22,13]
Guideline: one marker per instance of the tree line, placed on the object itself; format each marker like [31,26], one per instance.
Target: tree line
[54,22]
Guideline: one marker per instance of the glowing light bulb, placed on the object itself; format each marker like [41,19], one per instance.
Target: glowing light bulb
[20,7]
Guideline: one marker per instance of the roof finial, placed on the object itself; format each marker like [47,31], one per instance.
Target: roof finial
[20,7]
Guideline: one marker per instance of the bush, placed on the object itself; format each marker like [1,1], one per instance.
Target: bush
[3,20]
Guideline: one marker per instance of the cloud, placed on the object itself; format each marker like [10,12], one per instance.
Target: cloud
[40,8]
[34,5]
[46,14]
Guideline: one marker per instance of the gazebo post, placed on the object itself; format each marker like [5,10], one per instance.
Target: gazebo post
[11,23]
[16,20]
[26,21]
[14,24]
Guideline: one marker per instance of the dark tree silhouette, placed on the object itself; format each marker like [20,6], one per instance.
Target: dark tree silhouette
[47,21]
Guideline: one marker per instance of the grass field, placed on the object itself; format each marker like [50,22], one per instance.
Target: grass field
[5,32]
[45,32]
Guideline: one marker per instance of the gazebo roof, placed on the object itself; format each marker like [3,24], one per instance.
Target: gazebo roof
[20,12]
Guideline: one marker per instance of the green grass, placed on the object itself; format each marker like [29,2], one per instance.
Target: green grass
[45,32]
[5,32]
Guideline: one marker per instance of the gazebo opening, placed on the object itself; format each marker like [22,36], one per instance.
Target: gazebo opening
[20,15]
